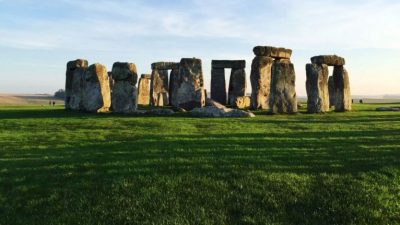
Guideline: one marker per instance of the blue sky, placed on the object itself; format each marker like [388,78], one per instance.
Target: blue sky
[37,38]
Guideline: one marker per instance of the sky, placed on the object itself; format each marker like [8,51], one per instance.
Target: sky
[37,38]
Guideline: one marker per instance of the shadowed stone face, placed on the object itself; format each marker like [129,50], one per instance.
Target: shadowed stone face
[124,93]
[331,87]
[237,81]
[218,85]
[96,97]
[341,89]
[174,85]
[74,83]
[190,92]
[144,90]
[237,85]
[317,88]
[260,79]
[283,93]
[222,64]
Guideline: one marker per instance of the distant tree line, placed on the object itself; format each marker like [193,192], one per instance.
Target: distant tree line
[60,94]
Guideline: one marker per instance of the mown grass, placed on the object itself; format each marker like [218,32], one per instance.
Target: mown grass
[59,167]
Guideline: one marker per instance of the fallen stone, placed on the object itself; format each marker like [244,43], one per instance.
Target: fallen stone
[273,52]
[96,94]
[388,109]
[222,64]
[342,93]
[211,111]
[282,97]
[243,102]
[330,60]
[190,93]
[237,85]
[160,112]
[260,79]
[317,88]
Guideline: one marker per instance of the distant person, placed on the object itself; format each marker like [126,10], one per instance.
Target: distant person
[54,103]
[361,101]
[49,103]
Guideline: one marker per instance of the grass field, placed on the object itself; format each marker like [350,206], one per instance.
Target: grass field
[59,167]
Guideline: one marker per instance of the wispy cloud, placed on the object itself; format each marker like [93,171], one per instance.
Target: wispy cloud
[297,24]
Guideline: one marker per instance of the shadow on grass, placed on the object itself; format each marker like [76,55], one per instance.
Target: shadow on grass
[304,177]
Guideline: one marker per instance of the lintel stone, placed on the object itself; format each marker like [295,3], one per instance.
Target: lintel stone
[237,64]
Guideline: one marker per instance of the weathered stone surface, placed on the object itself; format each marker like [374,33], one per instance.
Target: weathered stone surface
[74,83]
[243,102]
[282,97]
[260,79]
[124,97]
[79,63]
[330,60]
[273,52]
[331,87]
[174,83]
[190,92]
[124,92]
[75,98]
[144,89]
[218,85]
[237,85]
[164,65]
[158,87]
[96,94]
[317,88]
[125,71]
[342,89]
[220,64]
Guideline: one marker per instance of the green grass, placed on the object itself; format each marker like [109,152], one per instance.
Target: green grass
[59,167]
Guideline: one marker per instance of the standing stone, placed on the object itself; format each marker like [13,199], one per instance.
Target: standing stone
[341,89]
[96,95]
[110,77]
[174,81]
[317,88]
[260,79]
[159,85]
[282,97]
[331,87]
[237,85]
[124,92]
[74,84]
[144,89]
[218,85]
[190,92]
